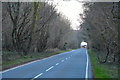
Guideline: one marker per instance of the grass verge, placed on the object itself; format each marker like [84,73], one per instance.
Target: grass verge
[105,70]
[29,58]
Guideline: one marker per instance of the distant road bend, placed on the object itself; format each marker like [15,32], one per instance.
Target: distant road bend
[73,64]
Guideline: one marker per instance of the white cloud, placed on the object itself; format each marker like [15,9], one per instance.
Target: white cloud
[71,9]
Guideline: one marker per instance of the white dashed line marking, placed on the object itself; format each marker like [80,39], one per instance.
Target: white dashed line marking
[66,58]
[57,63]
[62,61]
[50,68]
[37,76]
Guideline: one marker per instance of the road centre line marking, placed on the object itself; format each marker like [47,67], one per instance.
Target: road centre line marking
[29,63]
[62,61]
[86,75]
[57,63]
[37,76]
[50,68]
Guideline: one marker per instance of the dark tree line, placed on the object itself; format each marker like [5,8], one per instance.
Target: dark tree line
[100,29]
[32,27]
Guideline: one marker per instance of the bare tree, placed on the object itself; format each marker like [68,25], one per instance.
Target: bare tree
[101,32]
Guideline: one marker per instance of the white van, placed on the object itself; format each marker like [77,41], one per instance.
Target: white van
[83,44]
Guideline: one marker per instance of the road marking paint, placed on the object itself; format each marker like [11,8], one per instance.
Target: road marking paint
[62,61]
[18,66]
[69,57]
[66,58]
[86,76]
[30,63]
[57,63]
[37,76]
[50,68]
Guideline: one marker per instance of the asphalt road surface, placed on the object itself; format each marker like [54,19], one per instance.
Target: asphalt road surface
[73,64]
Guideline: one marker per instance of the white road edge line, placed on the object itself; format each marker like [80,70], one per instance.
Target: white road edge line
[28,63]
[18,66]
[37,76]
[50,68]
[86,75]
[57,63]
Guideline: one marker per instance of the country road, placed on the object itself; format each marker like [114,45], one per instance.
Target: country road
[73,64]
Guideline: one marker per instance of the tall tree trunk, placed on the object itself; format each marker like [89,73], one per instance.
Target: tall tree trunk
[36,7]
[106,57]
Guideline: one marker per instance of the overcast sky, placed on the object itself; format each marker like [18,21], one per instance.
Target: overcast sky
[71,9]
